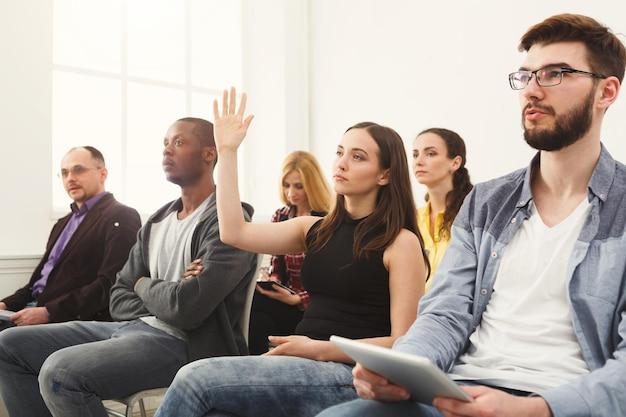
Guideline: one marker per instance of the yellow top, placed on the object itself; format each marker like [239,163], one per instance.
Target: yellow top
[434,245]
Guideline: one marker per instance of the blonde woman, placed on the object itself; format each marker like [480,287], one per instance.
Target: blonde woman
[276,311]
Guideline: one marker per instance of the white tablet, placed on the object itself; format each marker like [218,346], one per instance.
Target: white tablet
[417,374]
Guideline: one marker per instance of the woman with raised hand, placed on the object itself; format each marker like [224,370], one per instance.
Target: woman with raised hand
[439,164]
[277,311]
[363,272]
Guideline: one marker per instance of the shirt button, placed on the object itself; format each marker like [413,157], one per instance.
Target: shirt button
[513,221]
[521,203]
[483,291]
[494,255]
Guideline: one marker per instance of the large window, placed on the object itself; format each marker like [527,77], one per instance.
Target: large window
[124,70]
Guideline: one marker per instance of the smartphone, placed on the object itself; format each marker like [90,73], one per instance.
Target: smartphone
[269,285]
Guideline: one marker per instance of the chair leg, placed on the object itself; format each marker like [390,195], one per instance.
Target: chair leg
[114,413]
[142,408]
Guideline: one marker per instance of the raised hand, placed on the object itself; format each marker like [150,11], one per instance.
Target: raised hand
[229,126]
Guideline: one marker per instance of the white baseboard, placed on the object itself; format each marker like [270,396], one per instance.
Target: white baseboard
[15,271]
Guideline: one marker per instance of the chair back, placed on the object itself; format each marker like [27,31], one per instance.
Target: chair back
[247,307]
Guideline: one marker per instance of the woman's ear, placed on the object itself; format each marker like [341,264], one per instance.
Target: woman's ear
[456,163]
[384,178]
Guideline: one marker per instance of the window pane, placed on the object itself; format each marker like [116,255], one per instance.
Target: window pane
[156,39]
[165,42]
[202,105]
[216,43]
[86,111]
[151,110]
[87,34]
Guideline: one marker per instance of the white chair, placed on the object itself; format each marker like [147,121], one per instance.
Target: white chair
[132,400]
[247,305]
[138,397]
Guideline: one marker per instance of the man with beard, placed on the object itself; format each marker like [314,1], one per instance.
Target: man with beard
[168,314]
[85,250]
[528,311]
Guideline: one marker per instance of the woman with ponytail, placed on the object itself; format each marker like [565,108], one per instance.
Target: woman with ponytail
[439,164]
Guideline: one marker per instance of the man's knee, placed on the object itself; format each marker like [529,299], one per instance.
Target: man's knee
[202,375]
[58,372]
[185,376]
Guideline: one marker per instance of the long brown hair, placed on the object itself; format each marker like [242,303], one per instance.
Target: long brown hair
[395,207]
[461,184]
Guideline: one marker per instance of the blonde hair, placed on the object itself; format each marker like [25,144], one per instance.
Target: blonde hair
[315,186]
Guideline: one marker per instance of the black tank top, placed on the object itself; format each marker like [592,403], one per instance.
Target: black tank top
[348,297]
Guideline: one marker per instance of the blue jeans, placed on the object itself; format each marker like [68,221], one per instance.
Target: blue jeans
[6,325]
[370,408]
[257,386]
[367,408]
[66,369]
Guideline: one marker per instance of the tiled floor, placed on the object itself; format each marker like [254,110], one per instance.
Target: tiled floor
[151,405]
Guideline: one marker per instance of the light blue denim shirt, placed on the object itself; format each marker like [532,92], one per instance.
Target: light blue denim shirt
[489,218]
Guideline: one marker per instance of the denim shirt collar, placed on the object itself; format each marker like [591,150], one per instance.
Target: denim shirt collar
[599,184]
[603,175]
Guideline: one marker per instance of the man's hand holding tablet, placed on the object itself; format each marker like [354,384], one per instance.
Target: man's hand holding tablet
[417,377]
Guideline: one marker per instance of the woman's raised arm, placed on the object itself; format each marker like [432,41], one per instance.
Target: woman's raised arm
[230,128]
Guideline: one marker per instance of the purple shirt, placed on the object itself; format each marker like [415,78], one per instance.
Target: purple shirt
[78,215]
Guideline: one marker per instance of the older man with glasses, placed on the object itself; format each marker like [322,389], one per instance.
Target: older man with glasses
[85,250]
[528,311]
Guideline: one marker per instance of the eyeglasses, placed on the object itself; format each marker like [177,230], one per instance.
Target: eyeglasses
[76,170]
[545,77]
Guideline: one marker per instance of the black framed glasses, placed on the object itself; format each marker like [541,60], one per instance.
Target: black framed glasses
[545,77]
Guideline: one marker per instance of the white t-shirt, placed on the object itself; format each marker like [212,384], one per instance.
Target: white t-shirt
[525,340]
[170,253]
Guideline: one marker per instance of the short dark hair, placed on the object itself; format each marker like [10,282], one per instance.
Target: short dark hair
[605,52]
[95,153]
[203,129]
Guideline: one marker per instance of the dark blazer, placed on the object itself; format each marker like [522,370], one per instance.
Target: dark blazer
[78,287]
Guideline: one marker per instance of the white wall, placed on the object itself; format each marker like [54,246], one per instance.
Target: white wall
[413,65]
[275,74]
[25,96]
[312,68]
